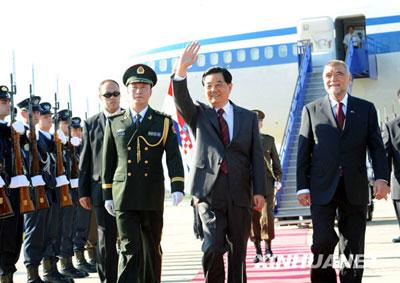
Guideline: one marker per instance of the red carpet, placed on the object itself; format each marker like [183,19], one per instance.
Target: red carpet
[293,260]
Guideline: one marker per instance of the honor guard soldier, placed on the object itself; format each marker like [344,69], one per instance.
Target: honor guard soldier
[52,242]
[262,227]
[10,218]
[82,218]
[133,178]
[35,222]
[68,212]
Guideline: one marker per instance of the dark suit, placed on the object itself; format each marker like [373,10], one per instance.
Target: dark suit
[391,139]
[133,177]
[332,165]
[225,201]
[90,169]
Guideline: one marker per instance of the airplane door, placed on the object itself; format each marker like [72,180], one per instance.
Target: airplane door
[320,32]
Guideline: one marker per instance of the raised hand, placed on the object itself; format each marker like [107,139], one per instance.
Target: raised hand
[187,59]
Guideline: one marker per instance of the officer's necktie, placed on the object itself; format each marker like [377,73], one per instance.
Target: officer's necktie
[340,115]
[137,121]
[224,136]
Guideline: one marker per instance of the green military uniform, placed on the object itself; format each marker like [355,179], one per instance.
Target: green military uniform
[263,222]
[133,172]
[133,177]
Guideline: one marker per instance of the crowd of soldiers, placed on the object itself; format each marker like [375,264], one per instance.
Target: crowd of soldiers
[39,207]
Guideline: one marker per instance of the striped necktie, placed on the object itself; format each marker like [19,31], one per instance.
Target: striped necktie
[224,136]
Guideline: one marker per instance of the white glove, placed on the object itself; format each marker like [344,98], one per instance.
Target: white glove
[177,197]
[37,181]
[75,141]
[62,137]
[109,205]
[2,183]
[19,182]
[277,185]
[19,127]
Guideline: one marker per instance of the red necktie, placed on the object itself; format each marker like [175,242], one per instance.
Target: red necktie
[340,115]
[223,126]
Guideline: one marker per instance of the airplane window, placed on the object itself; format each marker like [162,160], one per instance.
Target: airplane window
[162,65]
[282,51]
[214,58]
[294,49]
[227,56]
[254,54]
[201,60]
[241,55]
[268,52]
[151,64]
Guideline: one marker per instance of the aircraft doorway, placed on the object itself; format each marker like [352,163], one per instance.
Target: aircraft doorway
[342,25]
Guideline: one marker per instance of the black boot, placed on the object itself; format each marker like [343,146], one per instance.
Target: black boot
[82,264]
[51,274]
[33,274]
[269,255]
[258,256]
[69,270]
[6,278]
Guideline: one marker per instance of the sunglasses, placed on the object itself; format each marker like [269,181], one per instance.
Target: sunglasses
[109,94]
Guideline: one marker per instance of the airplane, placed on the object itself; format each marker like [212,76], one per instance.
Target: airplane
[267,72]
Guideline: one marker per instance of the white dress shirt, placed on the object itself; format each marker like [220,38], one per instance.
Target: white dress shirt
[228,116]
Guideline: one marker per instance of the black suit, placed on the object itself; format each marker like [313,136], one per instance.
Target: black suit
[225,201]
[391,139]
[332,165]
[90,186]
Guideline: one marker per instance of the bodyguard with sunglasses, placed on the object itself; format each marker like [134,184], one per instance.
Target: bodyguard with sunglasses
[90,182]
[133,178]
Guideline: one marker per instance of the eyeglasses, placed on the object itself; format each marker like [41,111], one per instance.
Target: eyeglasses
[109,94]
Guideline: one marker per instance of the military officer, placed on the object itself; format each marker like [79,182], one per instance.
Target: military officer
[133,178]
[263,222]
[10,223]
[82,218]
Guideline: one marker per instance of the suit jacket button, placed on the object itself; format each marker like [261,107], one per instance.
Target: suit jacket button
[129,174]
[129,148]
[145,174]
[146,162]
[146,148]
[129,161]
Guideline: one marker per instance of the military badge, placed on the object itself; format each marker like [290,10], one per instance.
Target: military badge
[120,132]
[140,70]
[154,134]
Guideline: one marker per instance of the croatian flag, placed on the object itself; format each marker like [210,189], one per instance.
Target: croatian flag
[185,138]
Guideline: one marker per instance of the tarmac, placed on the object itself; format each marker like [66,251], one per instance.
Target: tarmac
[182,251]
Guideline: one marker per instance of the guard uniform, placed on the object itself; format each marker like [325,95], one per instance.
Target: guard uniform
[11,226]
[133,177]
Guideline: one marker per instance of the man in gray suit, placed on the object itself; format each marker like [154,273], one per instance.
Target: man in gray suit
[90,191]
[391,139]
[336,132]
[228,176]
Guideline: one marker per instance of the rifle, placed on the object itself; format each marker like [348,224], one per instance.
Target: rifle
[64,190]
[72,149]
[41,198]
[25,201]
[5,205]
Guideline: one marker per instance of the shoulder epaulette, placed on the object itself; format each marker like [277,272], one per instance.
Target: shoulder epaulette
[162,113]
[117,114]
